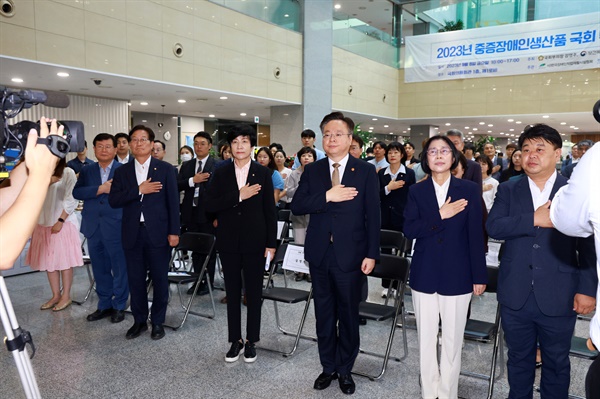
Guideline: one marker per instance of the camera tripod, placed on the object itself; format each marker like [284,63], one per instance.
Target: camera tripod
[15,340]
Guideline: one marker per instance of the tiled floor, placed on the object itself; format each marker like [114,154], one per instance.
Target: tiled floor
[79,359]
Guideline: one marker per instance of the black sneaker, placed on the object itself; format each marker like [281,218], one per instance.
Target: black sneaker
[234,352]
[249,353]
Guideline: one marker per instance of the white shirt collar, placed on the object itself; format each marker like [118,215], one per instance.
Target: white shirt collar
[388,171]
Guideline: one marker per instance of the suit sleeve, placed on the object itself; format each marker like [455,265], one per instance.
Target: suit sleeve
[121,195]
[306,200]
[417,225]
[172,194]
[588,278]
[476,242]
[501,225]
[269,212]
[218,196]
[83,189]
[183,178]
[373,214]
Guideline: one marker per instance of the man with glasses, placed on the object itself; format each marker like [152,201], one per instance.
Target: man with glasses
[101,225]
[341,194]
[146,189]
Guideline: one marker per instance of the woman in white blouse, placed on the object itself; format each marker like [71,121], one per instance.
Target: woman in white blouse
[55,244]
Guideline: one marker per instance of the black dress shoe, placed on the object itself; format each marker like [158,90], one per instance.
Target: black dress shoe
[99,314]
[362,321]
[136,330]
[117,316]
[202,290]
[324,380]
[158,332]
[347,384]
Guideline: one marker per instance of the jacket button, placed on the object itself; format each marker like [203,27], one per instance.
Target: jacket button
[535,246]
[240,213]
[531,267]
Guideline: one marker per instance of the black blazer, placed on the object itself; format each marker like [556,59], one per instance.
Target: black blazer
[248,226]
[188,169]
[392,204]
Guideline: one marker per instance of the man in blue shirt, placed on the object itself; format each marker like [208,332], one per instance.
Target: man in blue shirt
[82,160]
[308,140]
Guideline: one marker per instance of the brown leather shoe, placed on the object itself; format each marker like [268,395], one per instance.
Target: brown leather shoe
[224,299]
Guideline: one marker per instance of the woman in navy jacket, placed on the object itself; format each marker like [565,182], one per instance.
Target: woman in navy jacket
[444,216]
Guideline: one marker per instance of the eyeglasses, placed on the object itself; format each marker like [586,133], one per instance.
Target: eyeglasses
[336,135]
[433,152]
[140,141]
[104,147]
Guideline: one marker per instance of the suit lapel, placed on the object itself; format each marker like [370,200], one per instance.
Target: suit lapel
[558,183]
[349,177]
[525,194]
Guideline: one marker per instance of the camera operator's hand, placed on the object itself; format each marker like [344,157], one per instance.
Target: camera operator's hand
[38,158]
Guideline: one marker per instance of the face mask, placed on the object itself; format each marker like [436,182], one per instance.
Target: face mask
[186,157]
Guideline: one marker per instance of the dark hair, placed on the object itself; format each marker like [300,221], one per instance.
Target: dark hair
[85,142]
[187,147]
[224,147]
[484,159]
[203,135]
[306,150]
[462,160]
[424,159]
[380,144]
[242,130]
[469,146]
[410,144]
[510,161]
[122,135]
[455,133]
[394,145]
[541,131]
[337,116]
[511,145]
[281,151]
[368,150]
[146,129]
[308,133]
[164,147]
[358,139]
[105,136]
[276,145]
[60,167]
[271,164]
[585,143]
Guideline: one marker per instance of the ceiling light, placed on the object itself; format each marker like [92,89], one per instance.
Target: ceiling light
[562,134]
[511,120]
[512,135]
[518,122]
[386,125]
[571,126]
[501,132]
[243,114]
[489,131]
[563,123]
[545,116]
[181,101]
[391,133]
[511,130]
[408,129]
[143,103]
[144,121]
[482,123]
[448,124]
[129,104]
[474,129]
[63,74]
[466,127]
[337,6]
[17,80]
[211,115]
[374,119]
[575,128]
[490,125]
[286,15]
[222,98]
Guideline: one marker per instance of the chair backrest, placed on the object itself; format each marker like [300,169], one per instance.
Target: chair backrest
[284,215]
[389,239]
[197,242]
[492,285]
[391,267]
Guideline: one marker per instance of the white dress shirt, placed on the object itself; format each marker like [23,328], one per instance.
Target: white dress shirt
[202,165]
[441,191]
[575,211]
[141,174]
[341,168]
[540,197]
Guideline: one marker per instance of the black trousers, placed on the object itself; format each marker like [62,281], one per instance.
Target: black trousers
[252,266]
[198,259]
[592,380]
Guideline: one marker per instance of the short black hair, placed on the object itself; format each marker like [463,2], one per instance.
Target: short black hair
[407,142]
[358,139]
[394,145]
[511,145]
[380,144]
[486,160]
[470,146]
[369,149]
[306,150]
[105,136]
[146,129]
[267,151]
[445,139]
[276,145]
[85,142]
[204,135]
[462,160]
[242,130]
[122,135]
[308,133]
[337,116]
[541,131]
[281,151]
[164,147]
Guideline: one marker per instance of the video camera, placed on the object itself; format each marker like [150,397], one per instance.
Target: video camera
[13,138]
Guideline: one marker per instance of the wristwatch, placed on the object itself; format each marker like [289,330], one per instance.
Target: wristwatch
[61,220]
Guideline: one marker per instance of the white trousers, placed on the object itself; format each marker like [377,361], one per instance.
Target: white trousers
[440,382]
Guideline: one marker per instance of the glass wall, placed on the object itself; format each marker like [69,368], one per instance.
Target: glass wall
[285,13]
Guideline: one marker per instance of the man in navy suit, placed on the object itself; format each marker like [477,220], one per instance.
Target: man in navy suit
[341,194]
[146,189]
[542,284]
[101,225]
[473,171]
[193,181]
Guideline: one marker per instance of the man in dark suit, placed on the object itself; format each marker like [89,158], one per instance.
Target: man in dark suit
[341,194]
[193,180]
[101,225]
[241,197]
[582,148]
[146,189]
[542,284]
[123,155]
[473,171]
